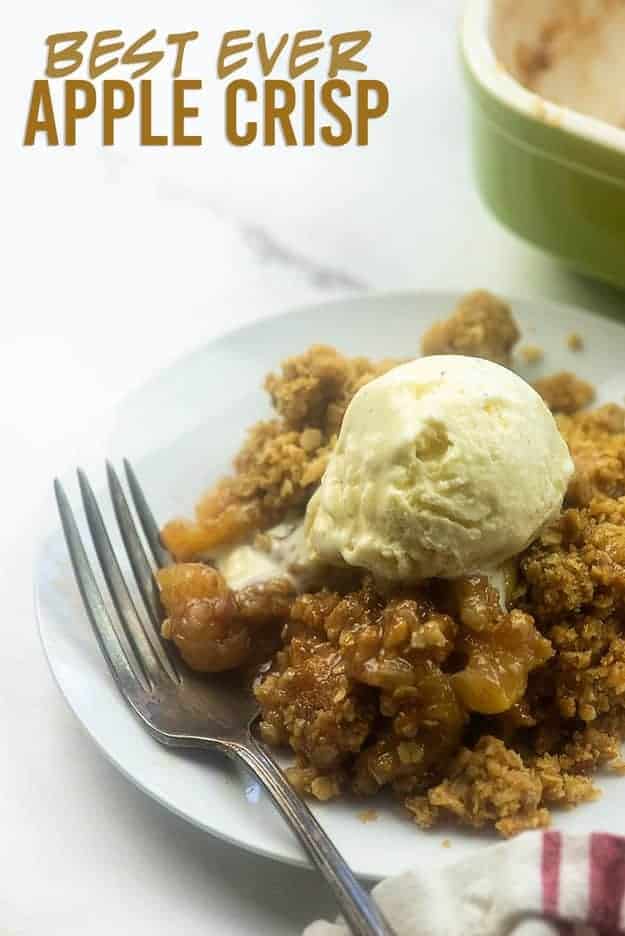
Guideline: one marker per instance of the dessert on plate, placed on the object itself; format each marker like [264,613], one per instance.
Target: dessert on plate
[423,564]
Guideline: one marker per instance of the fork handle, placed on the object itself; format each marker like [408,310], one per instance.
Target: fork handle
[357,907]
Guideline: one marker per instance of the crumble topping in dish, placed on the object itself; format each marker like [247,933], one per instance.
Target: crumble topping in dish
[466,711]
[568,52]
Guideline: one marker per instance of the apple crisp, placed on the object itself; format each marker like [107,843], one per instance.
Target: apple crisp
[469,709]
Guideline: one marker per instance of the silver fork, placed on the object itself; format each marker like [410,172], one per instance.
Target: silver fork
[180,708]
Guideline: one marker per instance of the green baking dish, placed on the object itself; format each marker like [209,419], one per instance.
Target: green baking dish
[554,176]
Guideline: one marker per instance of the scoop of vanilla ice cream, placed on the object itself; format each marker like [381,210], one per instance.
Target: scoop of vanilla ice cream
[444,466]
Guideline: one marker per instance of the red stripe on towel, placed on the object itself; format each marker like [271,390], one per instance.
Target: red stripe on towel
[607,881]
[550,870]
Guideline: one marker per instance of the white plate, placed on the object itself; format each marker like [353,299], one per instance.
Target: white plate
[181,430]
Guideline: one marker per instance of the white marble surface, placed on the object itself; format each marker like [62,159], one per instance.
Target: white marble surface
[117,263]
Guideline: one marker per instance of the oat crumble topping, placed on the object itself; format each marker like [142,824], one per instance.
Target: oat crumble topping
[531,354]
[467,712]
[564,392]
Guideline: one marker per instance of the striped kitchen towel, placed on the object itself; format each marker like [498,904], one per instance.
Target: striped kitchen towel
[539,884]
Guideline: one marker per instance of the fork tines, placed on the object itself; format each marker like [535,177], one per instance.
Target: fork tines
[128,632]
